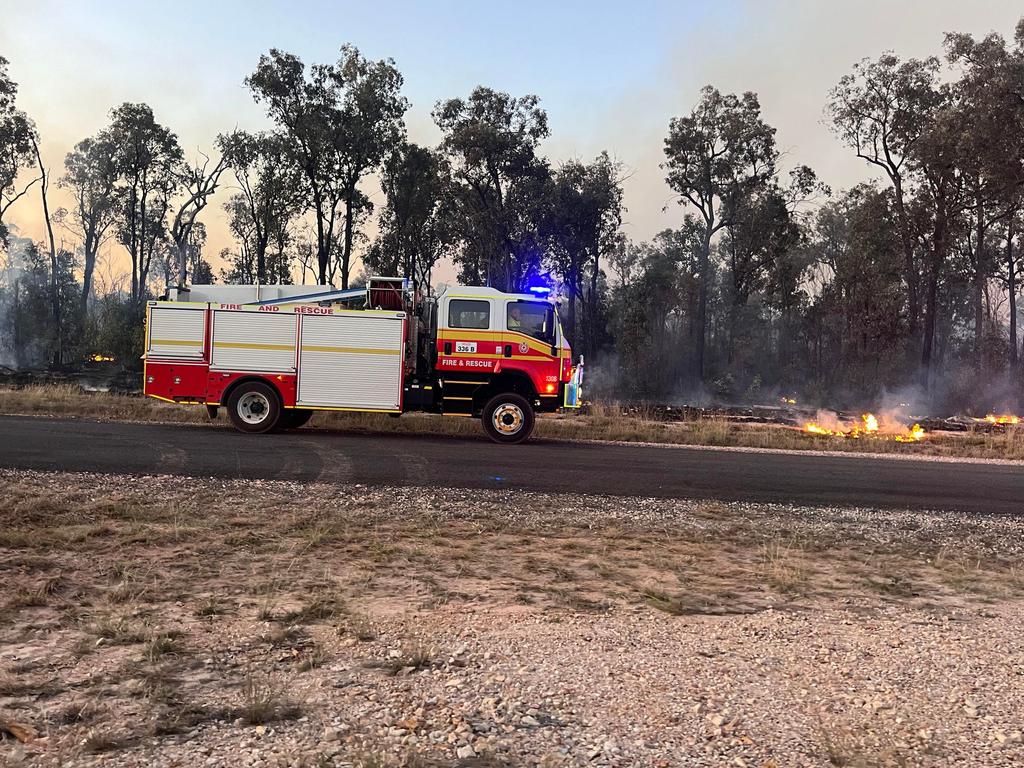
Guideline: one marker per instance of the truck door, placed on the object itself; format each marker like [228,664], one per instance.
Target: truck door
[467,337]
[530,343]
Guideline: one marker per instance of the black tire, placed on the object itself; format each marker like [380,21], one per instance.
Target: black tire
[293,418]
[254,407]
[508,418]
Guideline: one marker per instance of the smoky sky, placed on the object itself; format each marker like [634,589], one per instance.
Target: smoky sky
[610,75]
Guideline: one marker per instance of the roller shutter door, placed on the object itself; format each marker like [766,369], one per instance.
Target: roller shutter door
[176,332]
[253,341]
[351,360]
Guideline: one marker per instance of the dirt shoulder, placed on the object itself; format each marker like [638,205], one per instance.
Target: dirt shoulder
[161,621]
[605,425]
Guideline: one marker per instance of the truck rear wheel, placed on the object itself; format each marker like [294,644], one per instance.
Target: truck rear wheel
[508,418]
[254,407]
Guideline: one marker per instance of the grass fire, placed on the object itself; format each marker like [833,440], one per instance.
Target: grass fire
[1004,418]
[869,427]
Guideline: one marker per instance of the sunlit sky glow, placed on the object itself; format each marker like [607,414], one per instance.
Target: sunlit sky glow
[610,75]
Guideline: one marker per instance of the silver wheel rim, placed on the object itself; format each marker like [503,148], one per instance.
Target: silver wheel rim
[254,407]
[508,419]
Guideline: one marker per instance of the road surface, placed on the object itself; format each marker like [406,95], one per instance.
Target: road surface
[337,457]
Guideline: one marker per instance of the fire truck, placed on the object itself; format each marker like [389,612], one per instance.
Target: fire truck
[272,355]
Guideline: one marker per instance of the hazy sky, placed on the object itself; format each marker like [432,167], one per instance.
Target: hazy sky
[610,75]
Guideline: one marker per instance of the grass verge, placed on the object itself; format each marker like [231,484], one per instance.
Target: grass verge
[603,422]
[156,604]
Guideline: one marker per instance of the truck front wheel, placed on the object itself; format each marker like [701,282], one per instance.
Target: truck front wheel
[254,407]
[508,418]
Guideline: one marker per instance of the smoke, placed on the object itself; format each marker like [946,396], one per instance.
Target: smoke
[12,273]
[607,377]
[9,274]
[602,377]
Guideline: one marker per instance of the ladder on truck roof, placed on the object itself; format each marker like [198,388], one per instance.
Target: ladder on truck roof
[308,298]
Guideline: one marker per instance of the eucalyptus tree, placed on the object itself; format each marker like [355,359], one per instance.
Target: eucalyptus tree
[717,156]
[882,110]
[584,228]
[198,182]
[341,120]
[16,154]
[149,163]
[989,97]
[91,177]
[499,187]
[269,184]
[415,225]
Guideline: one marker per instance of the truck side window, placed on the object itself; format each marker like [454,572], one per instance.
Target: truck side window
[469,313]
[532,318]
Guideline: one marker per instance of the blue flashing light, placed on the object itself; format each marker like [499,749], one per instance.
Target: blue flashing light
[540,290]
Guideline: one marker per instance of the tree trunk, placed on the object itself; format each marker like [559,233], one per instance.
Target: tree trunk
[54,265]
[939,247]
[143,268]
[261,260]
[909,267]
[1011,288]
[323,250]
[133,243]
[90,249]
[978,289]
[702,304]
[591,306]
[573,338]
[346,255]
[181,248]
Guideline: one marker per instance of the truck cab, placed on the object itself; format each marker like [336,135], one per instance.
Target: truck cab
[489,344]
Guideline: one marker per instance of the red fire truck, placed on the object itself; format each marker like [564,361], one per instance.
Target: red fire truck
[272,355]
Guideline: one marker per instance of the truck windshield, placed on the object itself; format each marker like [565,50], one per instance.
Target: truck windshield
[532,318]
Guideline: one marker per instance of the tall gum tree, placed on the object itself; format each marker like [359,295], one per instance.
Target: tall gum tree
[16,153]
[415,225]
[269,185]
[148,160]
[586,217]
[499,184]
[881,110]
[342,120]
[91,178]
[716,156]
[198,182]
[989,97]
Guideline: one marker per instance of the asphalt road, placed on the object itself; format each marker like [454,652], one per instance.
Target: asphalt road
[337,457]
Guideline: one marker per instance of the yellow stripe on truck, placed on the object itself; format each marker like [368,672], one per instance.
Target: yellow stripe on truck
[349,350]
[251,345]
[450,334]
[176,342]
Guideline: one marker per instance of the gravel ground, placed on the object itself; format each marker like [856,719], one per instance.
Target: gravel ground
[456,641]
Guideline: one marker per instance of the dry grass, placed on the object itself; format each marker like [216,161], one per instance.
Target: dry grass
[603,422]
[265,699]
[866,745]
[145,655]
[783,566]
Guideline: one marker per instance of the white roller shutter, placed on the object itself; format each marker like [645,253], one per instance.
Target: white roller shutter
[176,331]
[352,360]
[253,341]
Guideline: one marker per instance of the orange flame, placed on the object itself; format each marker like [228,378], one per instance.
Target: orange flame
[1004,418]
[868,427]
